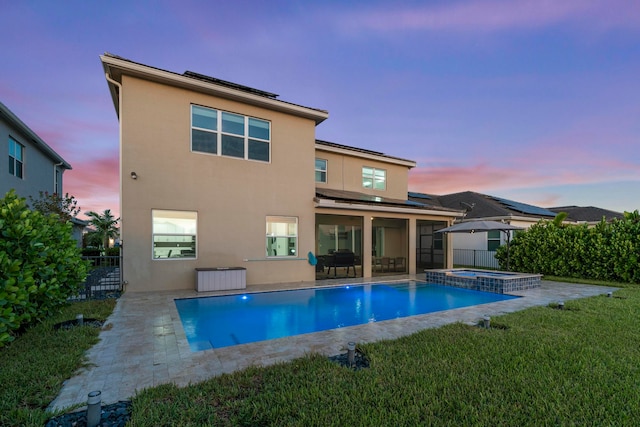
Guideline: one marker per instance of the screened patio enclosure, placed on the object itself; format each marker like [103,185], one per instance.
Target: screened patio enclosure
[430,247]
[389,246]
[341,234]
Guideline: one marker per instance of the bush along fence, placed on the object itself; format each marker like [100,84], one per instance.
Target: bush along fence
[40,265]
[608,251]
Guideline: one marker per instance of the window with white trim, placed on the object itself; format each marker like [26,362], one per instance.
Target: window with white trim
[282,236]
[373,178]
[174,234]
[229,134]
[493,240]
[16,158]
[321,170]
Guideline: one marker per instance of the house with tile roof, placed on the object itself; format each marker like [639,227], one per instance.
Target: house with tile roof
[217,177]
[470,249]
[589,215]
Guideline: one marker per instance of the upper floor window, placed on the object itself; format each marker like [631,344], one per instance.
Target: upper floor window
[229,134]
[282,236]
[321,170]
[16,156]
[374,178]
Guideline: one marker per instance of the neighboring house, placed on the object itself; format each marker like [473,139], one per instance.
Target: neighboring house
[78,230]
[32,165]
[216,174]
[479,206]
[589,215]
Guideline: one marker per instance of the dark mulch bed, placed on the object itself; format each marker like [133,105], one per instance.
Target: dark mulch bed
[68,324]
[114,415]
[360,360]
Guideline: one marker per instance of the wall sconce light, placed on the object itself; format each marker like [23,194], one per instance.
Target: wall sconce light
[134,175]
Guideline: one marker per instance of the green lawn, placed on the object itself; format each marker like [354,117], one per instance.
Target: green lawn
[542,366]
[36,364]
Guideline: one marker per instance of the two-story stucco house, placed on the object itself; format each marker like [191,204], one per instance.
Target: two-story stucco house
[33,166]
[215,174]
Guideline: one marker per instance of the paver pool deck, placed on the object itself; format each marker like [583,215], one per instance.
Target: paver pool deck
[144,345]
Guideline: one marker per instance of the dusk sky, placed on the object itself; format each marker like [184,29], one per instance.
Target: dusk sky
[536,101]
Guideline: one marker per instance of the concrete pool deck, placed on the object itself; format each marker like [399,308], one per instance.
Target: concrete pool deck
[144,345]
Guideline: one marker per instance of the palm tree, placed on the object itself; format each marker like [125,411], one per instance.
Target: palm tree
[105,225]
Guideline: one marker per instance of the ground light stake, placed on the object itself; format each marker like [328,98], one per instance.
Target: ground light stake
[351,353]
[561,305]
[80,320]
[94,408]
[487,322]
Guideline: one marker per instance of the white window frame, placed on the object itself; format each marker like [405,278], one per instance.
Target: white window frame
[219,133]
[372,178]
[13,158]
[272,237]
[322,171]
[177,253]
[492,239]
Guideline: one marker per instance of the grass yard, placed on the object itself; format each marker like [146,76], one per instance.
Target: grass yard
[36,364]
[540,366]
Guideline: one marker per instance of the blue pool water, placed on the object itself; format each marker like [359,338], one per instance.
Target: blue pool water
[222,321]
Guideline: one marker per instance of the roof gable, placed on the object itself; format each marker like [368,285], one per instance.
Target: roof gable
[7,115]
[116,66]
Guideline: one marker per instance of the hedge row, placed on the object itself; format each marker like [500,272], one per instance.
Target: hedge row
[40,265]
[608,251]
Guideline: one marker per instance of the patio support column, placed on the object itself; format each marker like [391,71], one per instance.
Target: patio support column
[448,250]
[411,258]
[367,246]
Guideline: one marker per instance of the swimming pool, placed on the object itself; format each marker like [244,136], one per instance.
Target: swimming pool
[222,321]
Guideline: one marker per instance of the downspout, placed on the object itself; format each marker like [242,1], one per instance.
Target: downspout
[123,282]
[55,168]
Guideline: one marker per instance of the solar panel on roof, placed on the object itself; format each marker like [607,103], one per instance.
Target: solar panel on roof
[419,196]
[412,203]
[524,208]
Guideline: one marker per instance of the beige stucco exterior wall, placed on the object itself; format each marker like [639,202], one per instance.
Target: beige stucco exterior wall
[344,172]
[232,197]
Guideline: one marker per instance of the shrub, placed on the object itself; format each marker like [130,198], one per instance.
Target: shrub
[608,251]
[40,265]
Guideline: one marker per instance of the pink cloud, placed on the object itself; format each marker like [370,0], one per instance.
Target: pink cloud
[498,15]
[95,184]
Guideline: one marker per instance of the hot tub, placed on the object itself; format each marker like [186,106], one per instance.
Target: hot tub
[501,282]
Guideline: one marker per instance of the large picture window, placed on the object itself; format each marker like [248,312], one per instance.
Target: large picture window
[374,178]
[16,155]
[230,134]
[282,236]
[321,170]
[174,234]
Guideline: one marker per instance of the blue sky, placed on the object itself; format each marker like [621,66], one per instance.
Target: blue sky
[532,100]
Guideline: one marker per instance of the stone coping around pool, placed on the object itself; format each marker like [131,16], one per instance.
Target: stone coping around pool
[484,280]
